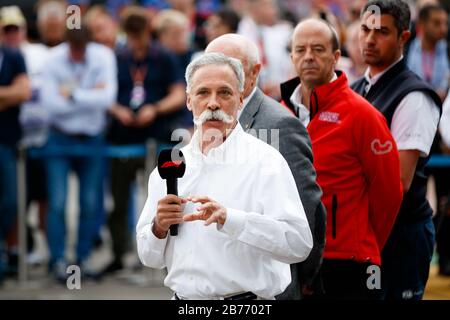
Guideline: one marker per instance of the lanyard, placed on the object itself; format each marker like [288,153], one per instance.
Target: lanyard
[428,65]
[138,73]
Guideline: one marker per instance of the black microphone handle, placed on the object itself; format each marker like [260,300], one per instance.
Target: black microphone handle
[172,188]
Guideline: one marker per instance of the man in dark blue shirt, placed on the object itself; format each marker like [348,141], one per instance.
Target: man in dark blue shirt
[14,89]
[151,93]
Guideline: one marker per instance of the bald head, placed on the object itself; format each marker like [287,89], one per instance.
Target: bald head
[320,26]
[241,48]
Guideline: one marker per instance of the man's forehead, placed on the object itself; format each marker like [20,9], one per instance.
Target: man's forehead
[214,75]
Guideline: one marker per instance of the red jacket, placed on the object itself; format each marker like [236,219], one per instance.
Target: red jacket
[358,168]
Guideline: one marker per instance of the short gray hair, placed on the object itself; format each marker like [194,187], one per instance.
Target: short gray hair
[218,59]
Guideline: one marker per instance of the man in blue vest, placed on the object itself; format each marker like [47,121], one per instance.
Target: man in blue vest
[412,110]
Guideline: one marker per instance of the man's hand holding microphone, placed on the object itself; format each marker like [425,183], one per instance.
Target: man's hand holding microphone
[170,212]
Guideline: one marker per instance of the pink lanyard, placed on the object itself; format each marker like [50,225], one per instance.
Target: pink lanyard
[428,65]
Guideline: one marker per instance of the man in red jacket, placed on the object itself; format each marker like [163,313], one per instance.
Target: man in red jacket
[356,160]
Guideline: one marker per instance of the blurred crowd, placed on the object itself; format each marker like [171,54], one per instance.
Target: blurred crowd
[119,79]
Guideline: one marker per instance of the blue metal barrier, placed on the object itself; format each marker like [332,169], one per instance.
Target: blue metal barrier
[439,161]
[111,151]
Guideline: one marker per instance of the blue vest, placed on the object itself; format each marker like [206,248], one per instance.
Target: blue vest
[386,95]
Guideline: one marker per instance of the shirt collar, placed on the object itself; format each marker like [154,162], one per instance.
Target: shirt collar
[218,153]
[246,100]
[296,97]
[373,80]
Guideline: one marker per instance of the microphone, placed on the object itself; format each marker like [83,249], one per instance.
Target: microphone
[171,166]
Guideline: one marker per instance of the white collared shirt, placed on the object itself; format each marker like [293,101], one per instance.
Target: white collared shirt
[296,100]
[94,84]
[245,103]
[415,120]
[265,228]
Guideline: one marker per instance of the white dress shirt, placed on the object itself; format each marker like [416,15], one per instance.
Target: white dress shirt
[415,120]
[85,113]
[265,229]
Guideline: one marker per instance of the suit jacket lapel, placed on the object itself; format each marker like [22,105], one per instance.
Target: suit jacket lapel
[248,114]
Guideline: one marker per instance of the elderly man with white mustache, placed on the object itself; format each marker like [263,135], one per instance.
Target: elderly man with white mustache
[240,223]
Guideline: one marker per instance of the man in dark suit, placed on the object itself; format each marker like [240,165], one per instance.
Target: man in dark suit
[270,121]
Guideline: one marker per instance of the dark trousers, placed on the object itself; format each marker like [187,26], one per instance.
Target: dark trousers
[406,260]
[8,199]
[347,280]
[123,174]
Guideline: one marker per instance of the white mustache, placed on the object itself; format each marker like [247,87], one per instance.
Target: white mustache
[213,115]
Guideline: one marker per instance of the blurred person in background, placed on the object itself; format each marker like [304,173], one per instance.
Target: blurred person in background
[428,58]
[171,28]
[353,65]
[261,25]
[442,220]
[103,28]
[427,55]
[79,85]
[196,21]
[51,21]
[150,95]
[33,118]
[221,22]
[172,31]
[14,90]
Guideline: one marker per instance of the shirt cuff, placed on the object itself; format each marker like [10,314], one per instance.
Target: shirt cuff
[147,234]
[234,223]
[414,145]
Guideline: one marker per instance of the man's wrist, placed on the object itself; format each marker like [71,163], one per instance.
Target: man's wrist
[158,231]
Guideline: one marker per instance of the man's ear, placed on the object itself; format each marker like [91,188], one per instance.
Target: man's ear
[404,37]
[337,55]
[188,101]
[256,69]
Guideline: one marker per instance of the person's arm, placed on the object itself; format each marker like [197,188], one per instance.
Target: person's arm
[18,92]
[175,100]
[279,230]
[414,125]
[103,94]
[295,146]
[150,247]
[122,113]
[51,97]
[379,158]
[408,163]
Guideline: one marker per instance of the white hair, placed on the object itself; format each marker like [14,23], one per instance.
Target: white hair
[218,59]
[54,9]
